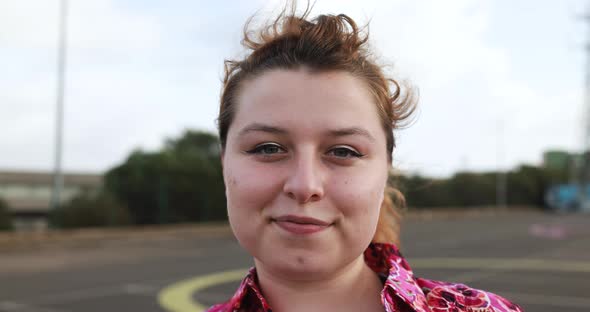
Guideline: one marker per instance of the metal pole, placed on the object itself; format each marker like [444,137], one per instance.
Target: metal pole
[585,204]
[501,178]
[58,180]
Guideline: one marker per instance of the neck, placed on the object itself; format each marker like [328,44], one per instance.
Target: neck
[354,287]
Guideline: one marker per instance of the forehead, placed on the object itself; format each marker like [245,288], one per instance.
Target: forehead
[307,99]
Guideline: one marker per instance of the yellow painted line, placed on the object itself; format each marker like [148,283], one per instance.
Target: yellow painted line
[178,297]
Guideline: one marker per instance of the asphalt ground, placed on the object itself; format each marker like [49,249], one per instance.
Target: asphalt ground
[541,261]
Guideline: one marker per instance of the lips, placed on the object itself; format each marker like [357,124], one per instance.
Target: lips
[300,225]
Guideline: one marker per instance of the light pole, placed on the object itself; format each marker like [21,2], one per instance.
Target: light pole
[581,171]
[58,180]
[501,176]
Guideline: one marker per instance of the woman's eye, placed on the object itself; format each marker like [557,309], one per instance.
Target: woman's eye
[267,149]
[343,152]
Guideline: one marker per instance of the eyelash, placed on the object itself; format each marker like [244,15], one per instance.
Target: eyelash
[259,150]
[350,152]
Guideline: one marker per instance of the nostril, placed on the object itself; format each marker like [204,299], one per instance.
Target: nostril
[304,184]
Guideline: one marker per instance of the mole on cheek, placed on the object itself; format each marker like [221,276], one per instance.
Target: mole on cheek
[300,260]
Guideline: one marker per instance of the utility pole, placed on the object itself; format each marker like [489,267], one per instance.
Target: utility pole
[58,181]
[585,157]
[501,174]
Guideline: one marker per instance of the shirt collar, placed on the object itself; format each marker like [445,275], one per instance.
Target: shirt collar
[400,287]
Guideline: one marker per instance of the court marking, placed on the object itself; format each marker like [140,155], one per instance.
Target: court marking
[39,303]
[178,297]
[550,300]
[502,264]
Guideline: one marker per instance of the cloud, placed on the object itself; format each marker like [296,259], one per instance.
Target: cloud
[138,73]
[28,31]
[93,24]
[135,75]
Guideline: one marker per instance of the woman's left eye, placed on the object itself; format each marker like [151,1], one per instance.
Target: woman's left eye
[344,152]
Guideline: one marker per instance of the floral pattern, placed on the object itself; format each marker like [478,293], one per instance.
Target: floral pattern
[402,292]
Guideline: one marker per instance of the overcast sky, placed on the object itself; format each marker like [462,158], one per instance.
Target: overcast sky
[500,81]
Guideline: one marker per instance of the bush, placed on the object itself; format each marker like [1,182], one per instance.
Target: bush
[182,182]
[5,220]
[526,185]
[88,211]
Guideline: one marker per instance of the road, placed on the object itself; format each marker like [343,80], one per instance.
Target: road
[538,260]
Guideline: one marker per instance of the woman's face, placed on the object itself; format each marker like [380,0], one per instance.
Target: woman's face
[305,166]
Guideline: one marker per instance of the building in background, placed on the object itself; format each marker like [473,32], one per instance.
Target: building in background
[28,194]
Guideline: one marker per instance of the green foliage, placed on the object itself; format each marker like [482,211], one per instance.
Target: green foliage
[181,183]
[424,192]
[463,189]
[526,185]
[5,220]
[90,211]
[473,189]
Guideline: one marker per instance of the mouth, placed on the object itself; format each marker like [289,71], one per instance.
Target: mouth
[300,225]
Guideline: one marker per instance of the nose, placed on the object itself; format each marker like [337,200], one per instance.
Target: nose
[305,183]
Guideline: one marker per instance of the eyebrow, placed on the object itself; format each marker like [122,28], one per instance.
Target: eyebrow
[259,127]
[351,131]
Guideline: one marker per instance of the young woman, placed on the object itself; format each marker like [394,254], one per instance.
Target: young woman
[306,123]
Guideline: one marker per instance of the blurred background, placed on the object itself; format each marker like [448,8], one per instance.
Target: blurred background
[110,181]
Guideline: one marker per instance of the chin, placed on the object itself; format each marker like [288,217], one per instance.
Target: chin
[303,268]
[299,264]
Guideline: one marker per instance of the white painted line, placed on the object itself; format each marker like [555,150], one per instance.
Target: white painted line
[9,306]
[140,289]
[506,264]
[549,300]
[147,287]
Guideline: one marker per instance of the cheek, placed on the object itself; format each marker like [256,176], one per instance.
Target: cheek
[248,186]
[249,190]
[359,197]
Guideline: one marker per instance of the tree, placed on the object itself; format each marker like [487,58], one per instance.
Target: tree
[85,210]
[424,192]
[180,183]
[526,186]
[473,189]
[5,220]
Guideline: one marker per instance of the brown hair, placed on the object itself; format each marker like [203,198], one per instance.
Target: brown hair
[324,43]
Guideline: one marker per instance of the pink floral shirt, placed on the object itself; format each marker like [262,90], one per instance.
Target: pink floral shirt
[402,291]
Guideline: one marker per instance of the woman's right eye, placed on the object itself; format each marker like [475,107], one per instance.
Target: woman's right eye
[267,149]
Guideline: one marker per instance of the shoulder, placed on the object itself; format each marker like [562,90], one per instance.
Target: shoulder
[445,296]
